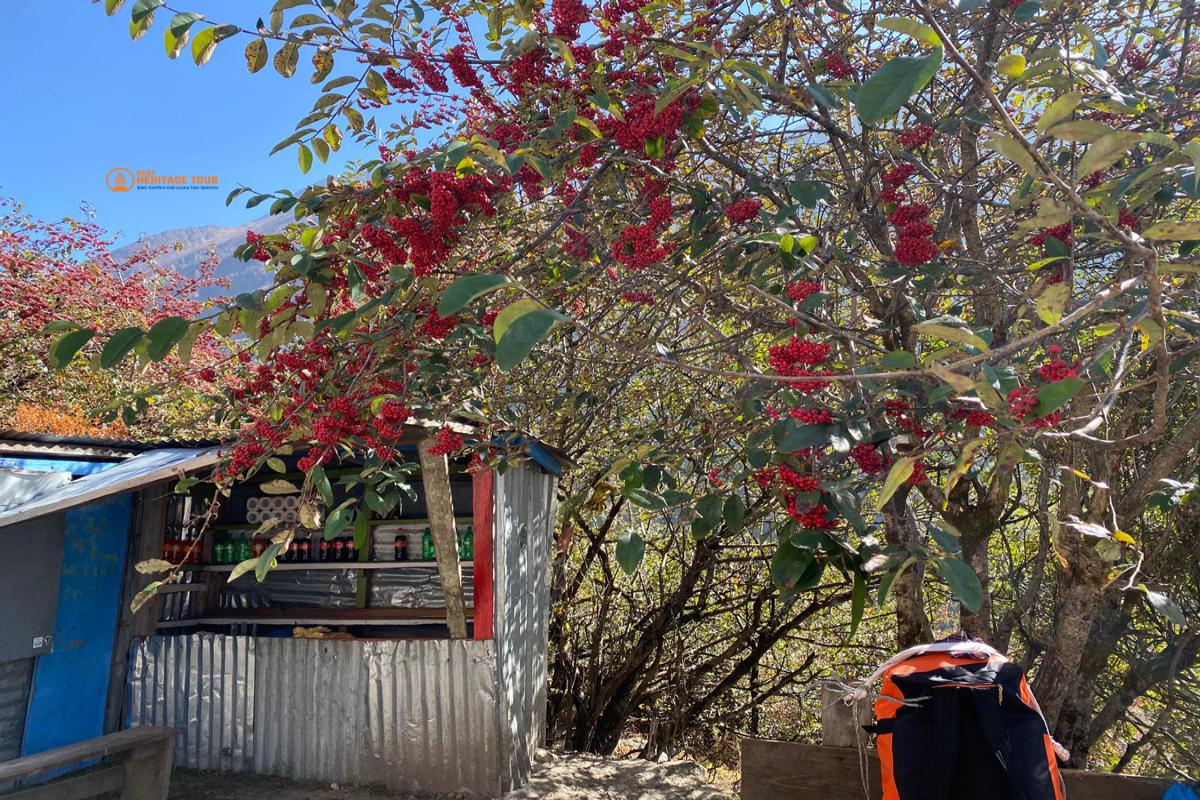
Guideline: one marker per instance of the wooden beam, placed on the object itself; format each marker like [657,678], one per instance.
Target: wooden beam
[435,475]
[482,501]
[127,741]
[79,787]
[774,770]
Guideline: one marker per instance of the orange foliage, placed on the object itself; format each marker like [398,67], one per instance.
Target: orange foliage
[30,418]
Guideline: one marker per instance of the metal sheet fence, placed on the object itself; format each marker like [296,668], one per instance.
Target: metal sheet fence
[525,510]
[415,714]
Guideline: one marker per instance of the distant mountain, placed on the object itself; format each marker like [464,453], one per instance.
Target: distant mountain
[186,249]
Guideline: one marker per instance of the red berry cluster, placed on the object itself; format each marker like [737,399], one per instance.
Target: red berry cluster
[743,210]
[904,415]
[463,72]
[1064,233]
[801,289]
[430,74]
[812,416]
[915,244]
[1127,219]
[448,443]
[642,125]
[814,517]
[795,358]
[837,66]
[567,17]
[389,422]
[869,458]
[916,136]
[1136,59]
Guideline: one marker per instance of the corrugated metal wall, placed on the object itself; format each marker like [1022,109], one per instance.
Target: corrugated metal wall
[417,715]
[524,525]
[15,677]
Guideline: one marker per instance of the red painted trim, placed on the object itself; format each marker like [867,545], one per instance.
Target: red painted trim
[482,499]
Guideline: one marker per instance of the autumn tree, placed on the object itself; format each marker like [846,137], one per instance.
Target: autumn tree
[60,279]
[930,266]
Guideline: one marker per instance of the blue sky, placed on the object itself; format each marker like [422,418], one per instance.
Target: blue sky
[80,98]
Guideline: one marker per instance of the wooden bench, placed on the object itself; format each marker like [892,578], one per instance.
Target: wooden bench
[143,771]
[774,770]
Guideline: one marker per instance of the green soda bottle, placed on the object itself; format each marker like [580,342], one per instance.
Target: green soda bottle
[427,551]
[242,549]
[466,550]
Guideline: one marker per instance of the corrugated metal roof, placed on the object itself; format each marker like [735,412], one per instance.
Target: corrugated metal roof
[150,467]
[98,446]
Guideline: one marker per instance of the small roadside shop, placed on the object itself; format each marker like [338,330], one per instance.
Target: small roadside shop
[339,665]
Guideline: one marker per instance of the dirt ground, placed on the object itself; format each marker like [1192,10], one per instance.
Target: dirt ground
[556,777]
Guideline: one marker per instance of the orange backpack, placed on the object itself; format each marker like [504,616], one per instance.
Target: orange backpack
[959,721]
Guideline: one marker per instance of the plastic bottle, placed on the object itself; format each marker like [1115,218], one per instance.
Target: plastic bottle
[466,550]
[427,551]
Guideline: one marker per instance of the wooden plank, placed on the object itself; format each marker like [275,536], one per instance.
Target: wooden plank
[148,773]
[838,725]
[435,476]
[99,747]
[773,770]
[482,502]
[78,787]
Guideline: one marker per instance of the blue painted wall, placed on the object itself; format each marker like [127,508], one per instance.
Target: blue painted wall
[70,684]
[76,468]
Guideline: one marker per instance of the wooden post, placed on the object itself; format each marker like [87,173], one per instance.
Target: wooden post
[839,728]
[435,475]
[148,772]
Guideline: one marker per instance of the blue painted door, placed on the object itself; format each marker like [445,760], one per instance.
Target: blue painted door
[70,684]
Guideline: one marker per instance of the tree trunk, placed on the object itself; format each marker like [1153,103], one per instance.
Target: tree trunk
[435,476]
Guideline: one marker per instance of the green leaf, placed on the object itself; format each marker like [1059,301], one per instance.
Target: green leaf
[112,6]
[798,437]
[858,602]
[242,568]
[952,334]
[898,359]
[893,84]
[174,44]
[945,539]
[1015,152]
[1174,230]
[1059,110]
[1011,65]
[1052,302]
[644,498]
[631,549]
[519,327]
[256,55]
[119,345]
[963,582]
[279,486]
[66,346]
[203,45]
[305,158]
[263,565]
[465,290]
[142,9]
[897,475]
[1055,395]
[1027,10]
[734,513]
[794,569]
[164,335]
[1105,152]
[917,30]
[1165,606]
